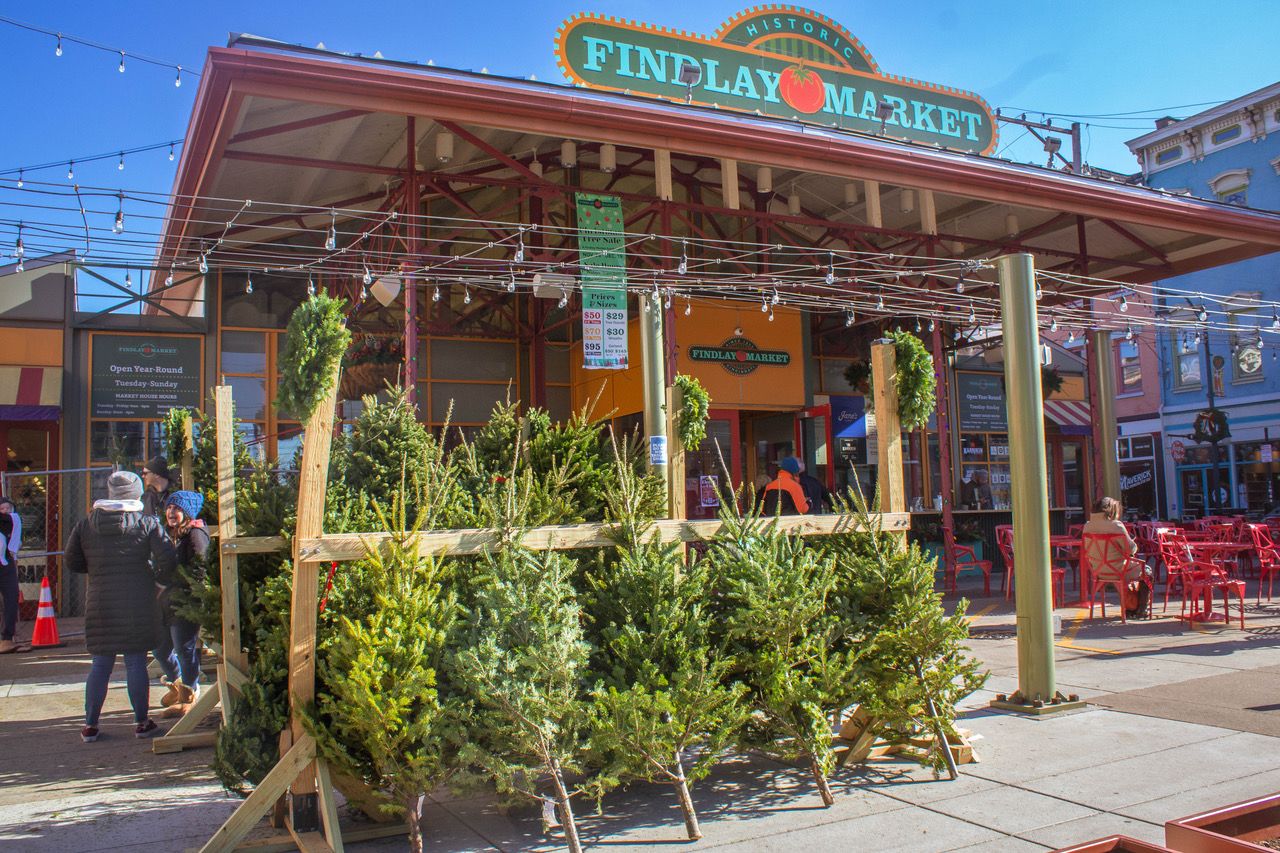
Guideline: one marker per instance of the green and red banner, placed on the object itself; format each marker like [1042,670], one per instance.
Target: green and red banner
[773,60]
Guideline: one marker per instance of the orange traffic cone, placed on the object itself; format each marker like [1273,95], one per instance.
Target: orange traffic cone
[46,632]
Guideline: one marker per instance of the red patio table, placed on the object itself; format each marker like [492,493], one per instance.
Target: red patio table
[1215,552]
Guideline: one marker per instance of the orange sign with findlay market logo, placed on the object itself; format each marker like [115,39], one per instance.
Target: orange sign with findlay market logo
[780,61]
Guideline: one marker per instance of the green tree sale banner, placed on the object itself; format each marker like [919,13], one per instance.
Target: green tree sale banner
[603,258]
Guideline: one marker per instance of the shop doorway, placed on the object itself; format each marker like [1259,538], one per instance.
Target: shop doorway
[1072,483]
[706,477]
[1195,489]
[31,448]
[768,437]
[814,445]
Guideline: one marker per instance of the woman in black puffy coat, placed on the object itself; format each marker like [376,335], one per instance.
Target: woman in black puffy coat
[124,553]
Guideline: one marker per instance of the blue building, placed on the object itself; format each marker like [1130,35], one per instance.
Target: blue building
[1231,154]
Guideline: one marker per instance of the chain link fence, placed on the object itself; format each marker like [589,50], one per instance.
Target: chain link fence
[50,503]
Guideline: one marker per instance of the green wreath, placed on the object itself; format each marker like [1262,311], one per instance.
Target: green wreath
[913,374]
[1210,425]
[695,408]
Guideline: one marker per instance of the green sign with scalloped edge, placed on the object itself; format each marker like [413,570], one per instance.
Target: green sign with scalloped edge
[779,61]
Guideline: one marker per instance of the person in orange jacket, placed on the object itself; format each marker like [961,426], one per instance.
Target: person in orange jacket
[784,495]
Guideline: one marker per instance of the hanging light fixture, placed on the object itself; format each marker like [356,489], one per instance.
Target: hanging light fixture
[444,146]
[848,318]
[118,226]
[466,295]
[973,316]
[608,158]
[331,239]
[1039,291]
[71,170]
[121,66]
[435,293]
[311,286]
[511,283]
[688,306]
[564,299]
[1122,304]
[830,277]
[793,203]
[18,249]
[1128,333]
[1053,324]
[128,279]
[57,51]
[1203,315]
[170,152]
[120,164]
[850,193]
[568,153]
[683,267]
[519,255]
[19,179]
[177,81]
[880,302]
[248,283]
[204,263]
[933,325]
[907,201]
[764,179]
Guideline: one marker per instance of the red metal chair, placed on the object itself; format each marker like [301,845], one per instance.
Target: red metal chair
[1268,558]
[1105,560]
[1198,577]
[1056,575]
[963,557]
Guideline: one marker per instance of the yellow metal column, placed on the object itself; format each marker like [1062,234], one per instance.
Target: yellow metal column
[1104,416]
[1037,687]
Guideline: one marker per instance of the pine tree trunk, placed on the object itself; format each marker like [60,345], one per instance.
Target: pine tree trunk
[413,817]
[821,780]
[566,810]
[686,801]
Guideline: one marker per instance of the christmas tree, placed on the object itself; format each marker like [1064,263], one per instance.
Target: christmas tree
[772,593]
[522,661]
[662,681]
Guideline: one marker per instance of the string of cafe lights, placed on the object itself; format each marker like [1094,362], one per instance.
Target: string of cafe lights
[119,155]
[61,39]
[888,282]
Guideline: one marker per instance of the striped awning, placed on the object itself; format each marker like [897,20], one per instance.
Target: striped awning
[1071,416]
[30,393]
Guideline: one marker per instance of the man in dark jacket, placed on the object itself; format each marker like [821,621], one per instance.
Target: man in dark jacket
[158,480]
[123,552]
[815,491]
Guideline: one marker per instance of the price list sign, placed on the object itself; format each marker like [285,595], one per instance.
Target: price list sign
[603,260]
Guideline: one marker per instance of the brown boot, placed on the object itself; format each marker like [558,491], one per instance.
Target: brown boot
[174,694]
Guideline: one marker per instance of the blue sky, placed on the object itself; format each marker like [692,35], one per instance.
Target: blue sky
[1090,57]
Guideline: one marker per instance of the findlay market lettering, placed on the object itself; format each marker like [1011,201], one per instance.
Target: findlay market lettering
[739,356]
[790,65]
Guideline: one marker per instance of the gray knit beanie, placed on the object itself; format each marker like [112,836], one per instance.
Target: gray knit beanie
[124,486]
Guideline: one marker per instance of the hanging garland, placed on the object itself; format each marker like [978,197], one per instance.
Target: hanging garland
[317,339]
[695,408]
[913,374]
[174,428]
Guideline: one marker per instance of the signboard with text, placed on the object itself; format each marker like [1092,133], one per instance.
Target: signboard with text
[603,260]
[143,376]
[773,60]
[980,402]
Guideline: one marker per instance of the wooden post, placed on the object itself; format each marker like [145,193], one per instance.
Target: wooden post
[313,479]
[232,648]
[188,456]
[888,428]
[675,482]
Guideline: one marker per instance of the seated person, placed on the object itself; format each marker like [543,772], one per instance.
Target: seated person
[1106,519]
[976,493]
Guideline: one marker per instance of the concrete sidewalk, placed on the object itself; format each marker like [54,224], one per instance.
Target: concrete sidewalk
[1180,719]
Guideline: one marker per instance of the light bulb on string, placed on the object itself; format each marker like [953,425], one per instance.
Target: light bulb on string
[1196,340]
[57,50]
[118,226]
[848,318]
[519,255]
[1123,304]
[564,299]
[667,302]
[18,249]
[917,325]
[683,267]
[248,283]
[367,278]
[19,179]
[311,286]
[1128,333]
[331,239]
[770,315]
[204,263]
[1071,337]
[120,164]
[830,278]
[1053,324]
[1203,315]
[168,280]
[933,325]
[466,295]
[764,306]
[960,282]
[1275,319]
[973,316]
[880,302]
[688,306]
[128,279]
[511,283]
[170,152]
[121,66]
[177,80]
[1039,291]
[435,293]
[71,170]
[775,299]
[364,294]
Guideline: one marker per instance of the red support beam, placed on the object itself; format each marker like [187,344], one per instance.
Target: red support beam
[300,124]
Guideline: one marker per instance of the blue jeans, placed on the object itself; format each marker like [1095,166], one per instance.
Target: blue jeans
[95,687]
[180,652]
[9,591]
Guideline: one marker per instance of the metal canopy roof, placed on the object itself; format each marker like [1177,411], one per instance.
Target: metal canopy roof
[302,134]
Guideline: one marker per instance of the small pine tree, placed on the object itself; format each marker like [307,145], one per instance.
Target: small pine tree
[662,682]
[386,715]
[773,593]
[911,663]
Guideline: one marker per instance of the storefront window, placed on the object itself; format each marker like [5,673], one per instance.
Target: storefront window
[1128,367]
[985,481]
[1186,362]
[1257,475]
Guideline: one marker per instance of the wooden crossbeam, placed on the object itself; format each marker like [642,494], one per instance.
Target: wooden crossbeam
[257,804]
[355,546]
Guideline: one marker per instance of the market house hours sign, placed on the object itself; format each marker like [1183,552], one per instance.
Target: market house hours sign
[143,377]
[773,60]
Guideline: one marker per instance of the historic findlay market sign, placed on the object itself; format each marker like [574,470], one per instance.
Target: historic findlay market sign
[773,60]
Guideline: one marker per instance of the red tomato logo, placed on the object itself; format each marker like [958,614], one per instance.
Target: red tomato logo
[802,89]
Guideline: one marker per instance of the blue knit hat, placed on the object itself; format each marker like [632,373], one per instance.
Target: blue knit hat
[189,502]
[791,465]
